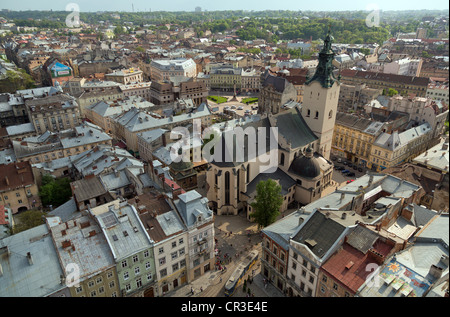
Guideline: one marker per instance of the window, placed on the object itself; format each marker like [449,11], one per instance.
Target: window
[174,244]
[317,115]
[138,283]
[335,286]
[145,253]
[330,114]
[112,284]
[163,272]
[148,265]
[161,250]
[137,270]
[124,263]
[162,261]
[135,258]
[126,275]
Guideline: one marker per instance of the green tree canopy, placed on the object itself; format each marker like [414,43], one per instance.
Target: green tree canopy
[27,220]
[54,192]
[267,203]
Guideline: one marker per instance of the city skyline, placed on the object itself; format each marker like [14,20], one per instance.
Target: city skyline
[250,5]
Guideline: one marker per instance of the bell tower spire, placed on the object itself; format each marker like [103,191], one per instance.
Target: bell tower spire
[324,71]
[320,99]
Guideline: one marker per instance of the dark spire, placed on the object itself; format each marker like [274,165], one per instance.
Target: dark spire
[324,71]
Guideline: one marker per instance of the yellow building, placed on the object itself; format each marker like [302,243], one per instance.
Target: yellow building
[18,190]
[390,150]
[353,138]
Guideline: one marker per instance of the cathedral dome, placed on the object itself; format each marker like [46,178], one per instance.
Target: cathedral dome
[305,166]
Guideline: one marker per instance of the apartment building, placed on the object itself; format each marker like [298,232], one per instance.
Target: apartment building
[133,122]
[422,110]
[165,227]
[125,76]
[163,69]
[178,87]
[403,84]
[50,146]
[81,247]
[87,98]
[353,138]
[131,247]
[18,190]
[53,113]
[390,150]
[438,91]
[137,90]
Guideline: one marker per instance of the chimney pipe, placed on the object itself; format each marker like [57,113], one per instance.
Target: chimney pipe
[30,259]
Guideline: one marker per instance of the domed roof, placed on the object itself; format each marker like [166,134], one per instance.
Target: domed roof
[305,166]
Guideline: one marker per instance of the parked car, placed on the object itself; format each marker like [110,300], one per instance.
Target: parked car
[350,174]
[355,167]
[233,107]
[345,171]
[360,169]
[345,163]
[349,165]
[240,108]
[350,180]
[338,168]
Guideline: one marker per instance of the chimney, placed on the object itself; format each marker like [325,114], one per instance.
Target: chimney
[344,215]
[435,271]
[370,180]
[342,196]
[7,180]
[30,259]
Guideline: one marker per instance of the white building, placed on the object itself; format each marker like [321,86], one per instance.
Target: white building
[163,69]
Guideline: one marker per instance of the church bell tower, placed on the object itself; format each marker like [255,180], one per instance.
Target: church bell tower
[320,99]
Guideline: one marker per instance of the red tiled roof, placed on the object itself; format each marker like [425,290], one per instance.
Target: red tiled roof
[15,175]
[350,266]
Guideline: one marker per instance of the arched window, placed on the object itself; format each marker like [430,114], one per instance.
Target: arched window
[282,159]
[308,113]
[330,114]
[227,188]
[317,115]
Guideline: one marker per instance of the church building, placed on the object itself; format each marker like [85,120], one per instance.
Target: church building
[303,135]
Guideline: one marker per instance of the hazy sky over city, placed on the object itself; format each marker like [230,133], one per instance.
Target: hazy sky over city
[211,5]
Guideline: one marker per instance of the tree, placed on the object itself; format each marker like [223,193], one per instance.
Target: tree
[27,220]
[54,192]
[392,92]
[267,203]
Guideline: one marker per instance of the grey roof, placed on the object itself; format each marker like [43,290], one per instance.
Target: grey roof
[279,176]
[362,238]
[20,129]
[319,233]
[281,231]
[435,157]
[66,211]
[190,205]
[294,129]
[124,231]
[20,279]
[90,249]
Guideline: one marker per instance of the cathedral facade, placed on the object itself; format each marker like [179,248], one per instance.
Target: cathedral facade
[304,137]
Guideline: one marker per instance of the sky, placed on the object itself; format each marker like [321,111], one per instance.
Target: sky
[213,5]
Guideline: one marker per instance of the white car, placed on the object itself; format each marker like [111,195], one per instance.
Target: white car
[240,108]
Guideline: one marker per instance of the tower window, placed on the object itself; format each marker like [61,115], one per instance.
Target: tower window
[317,115]
[330,114]
[308,113]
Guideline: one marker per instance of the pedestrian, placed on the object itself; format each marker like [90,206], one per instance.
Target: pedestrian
[220,280]
[201,288]
[192,291]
